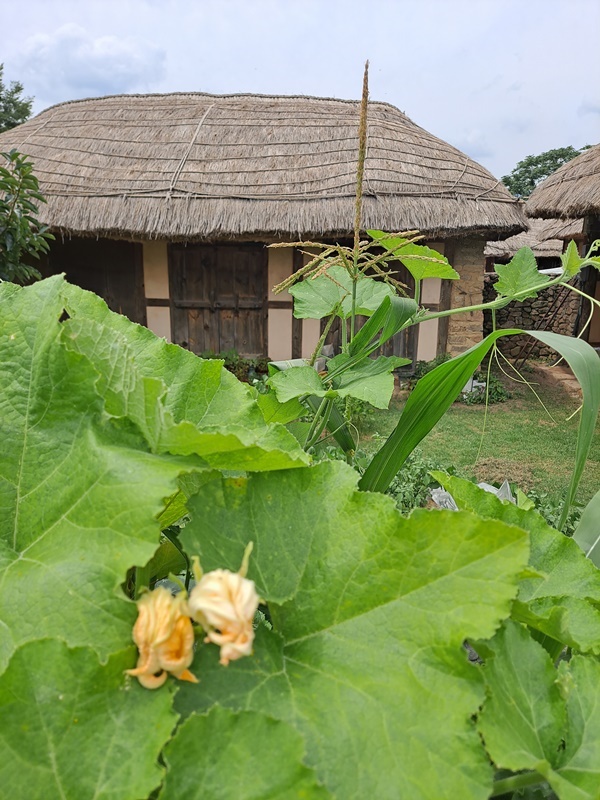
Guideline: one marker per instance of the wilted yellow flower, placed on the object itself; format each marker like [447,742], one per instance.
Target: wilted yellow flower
[224,603]
[164,637]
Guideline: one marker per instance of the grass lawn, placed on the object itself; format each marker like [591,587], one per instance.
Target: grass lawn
[520,441]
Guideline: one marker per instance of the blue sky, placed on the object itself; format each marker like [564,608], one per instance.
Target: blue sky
[499,79]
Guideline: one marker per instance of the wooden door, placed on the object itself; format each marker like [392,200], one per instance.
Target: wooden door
[219,297]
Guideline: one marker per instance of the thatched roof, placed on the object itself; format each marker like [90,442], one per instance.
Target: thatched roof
[544,236]
[184,166]
[572,191]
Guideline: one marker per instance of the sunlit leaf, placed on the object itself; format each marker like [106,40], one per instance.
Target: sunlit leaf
[366,654]
[318,298]
[520,277]
[570,260]
[420,261]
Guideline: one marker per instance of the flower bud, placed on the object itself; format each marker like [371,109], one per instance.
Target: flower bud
[164,636]
[224,603]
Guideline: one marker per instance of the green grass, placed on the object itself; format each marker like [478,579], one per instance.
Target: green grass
[520,442]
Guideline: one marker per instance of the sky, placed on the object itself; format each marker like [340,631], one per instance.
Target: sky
[499,79]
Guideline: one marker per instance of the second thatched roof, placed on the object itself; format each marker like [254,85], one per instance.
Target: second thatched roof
[545,237]
[572,191]
[193,166]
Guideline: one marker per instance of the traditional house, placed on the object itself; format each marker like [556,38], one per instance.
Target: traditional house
[164,204]
[574,191]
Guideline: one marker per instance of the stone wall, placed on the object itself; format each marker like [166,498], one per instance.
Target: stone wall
[465,330]
[547,311]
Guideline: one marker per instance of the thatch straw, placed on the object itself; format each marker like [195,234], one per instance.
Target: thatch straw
[185,166]
[544,236]
[570,192]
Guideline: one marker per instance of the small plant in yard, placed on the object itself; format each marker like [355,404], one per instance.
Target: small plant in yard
[244,369]
[492,391]
[411,486]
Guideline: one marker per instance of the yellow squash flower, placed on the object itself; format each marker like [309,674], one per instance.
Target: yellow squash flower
[164,636]
[224,603]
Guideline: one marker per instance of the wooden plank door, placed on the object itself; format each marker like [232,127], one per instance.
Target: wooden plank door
[219,297]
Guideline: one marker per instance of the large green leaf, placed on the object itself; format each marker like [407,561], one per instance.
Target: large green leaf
[371,380]
[420,261]
[246,756]
[561,598]
[180,403]
[587,533]
[520,277]
[71,730]
[78,493]
[527,723]
[366,654]
[319,297]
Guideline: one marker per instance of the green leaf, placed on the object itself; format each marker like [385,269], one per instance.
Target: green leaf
[526,722]
[425,262]
[71,730]
[366,654]
[520,277]
[523,719]
[318,298]
[371,380]
[297,382]
[427,403]
[78,493]
[570,260]
[578,774]
[587,533]
[181,404]
[274,411]
[562,598]
[243,756]
[391,316]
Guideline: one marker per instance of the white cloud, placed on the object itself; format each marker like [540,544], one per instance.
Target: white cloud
[71,63]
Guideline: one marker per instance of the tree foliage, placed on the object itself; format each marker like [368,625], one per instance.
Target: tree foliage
[14,108]
[533,169]
[21,235]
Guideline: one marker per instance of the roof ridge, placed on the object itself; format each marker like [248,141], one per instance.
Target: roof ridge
[234,95]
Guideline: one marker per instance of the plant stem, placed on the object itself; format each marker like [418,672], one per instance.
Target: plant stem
[321,341]
[360,171]
[319,422]
[494,304]
[417,292]
[507,785]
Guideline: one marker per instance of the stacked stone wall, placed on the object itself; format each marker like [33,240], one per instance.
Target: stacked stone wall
[465,330]
[554,309]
